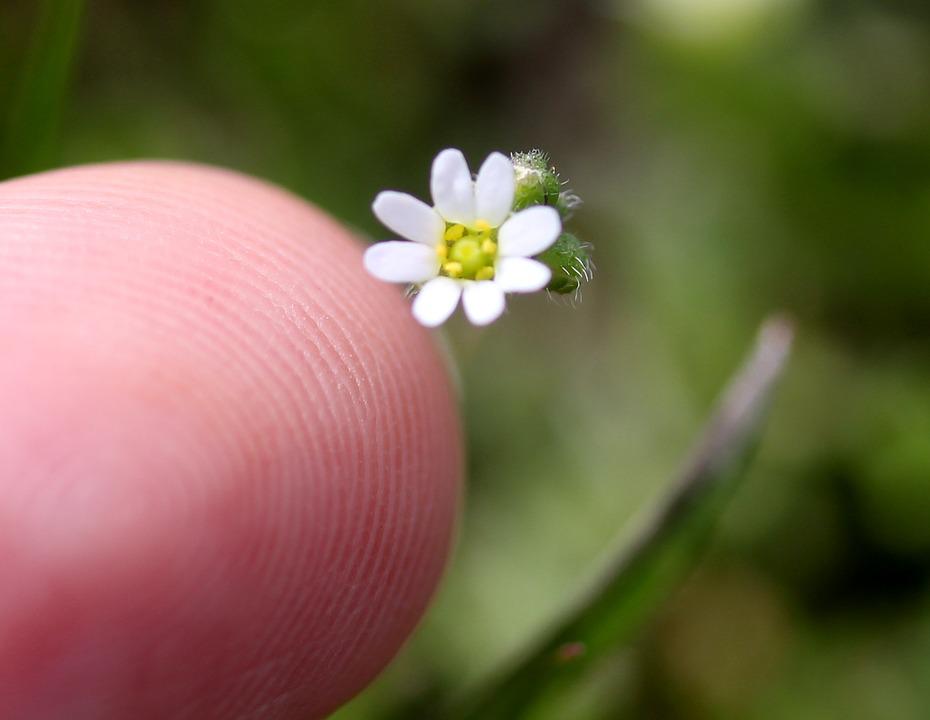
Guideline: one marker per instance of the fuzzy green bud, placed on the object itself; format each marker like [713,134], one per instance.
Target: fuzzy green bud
[570,262]
[537,181]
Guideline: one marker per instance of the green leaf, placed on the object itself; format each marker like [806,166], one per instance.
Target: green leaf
[642,573]
[31,134]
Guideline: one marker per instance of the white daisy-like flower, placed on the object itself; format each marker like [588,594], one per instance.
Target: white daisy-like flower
[468,245]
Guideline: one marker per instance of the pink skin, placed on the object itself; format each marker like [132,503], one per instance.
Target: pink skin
[229,460]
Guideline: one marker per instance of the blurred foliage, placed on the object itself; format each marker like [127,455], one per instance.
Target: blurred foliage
[37,97]
[735,156]
[647,565]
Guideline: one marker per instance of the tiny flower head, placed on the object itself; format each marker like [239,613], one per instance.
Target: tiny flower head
[469,245]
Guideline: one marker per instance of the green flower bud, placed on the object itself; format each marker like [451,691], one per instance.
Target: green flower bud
[537,181]
[570,261]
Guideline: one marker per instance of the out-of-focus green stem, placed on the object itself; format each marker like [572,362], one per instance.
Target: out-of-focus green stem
[30,134]
[643,571]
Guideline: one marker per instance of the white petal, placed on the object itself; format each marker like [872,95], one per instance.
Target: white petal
[399,261]
[517,274]
[529,232]
[408,217]
[452,187]
[436,301]
[483,302]
[494,189]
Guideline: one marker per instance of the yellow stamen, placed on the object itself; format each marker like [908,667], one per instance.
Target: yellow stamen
[452,269]
[454,233]
[482,225]
[485,273]
[442,251]
[489,247]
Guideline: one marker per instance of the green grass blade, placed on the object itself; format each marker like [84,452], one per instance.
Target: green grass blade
[30,138]
[664,550]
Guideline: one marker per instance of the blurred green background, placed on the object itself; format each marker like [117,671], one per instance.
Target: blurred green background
[735,157]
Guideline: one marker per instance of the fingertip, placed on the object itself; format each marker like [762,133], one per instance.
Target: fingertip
[232,460]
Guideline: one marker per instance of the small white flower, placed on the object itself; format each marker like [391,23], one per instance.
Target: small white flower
[468,245]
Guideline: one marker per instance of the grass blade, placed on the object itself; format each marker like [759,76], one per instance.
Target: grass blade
[661,554]
[31,134]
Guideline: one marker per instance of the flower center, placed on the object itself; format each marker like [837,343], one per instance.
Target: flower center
[468,253]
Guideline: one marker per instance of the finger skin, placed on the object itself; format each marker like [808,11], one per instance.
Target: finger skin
[229,460]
